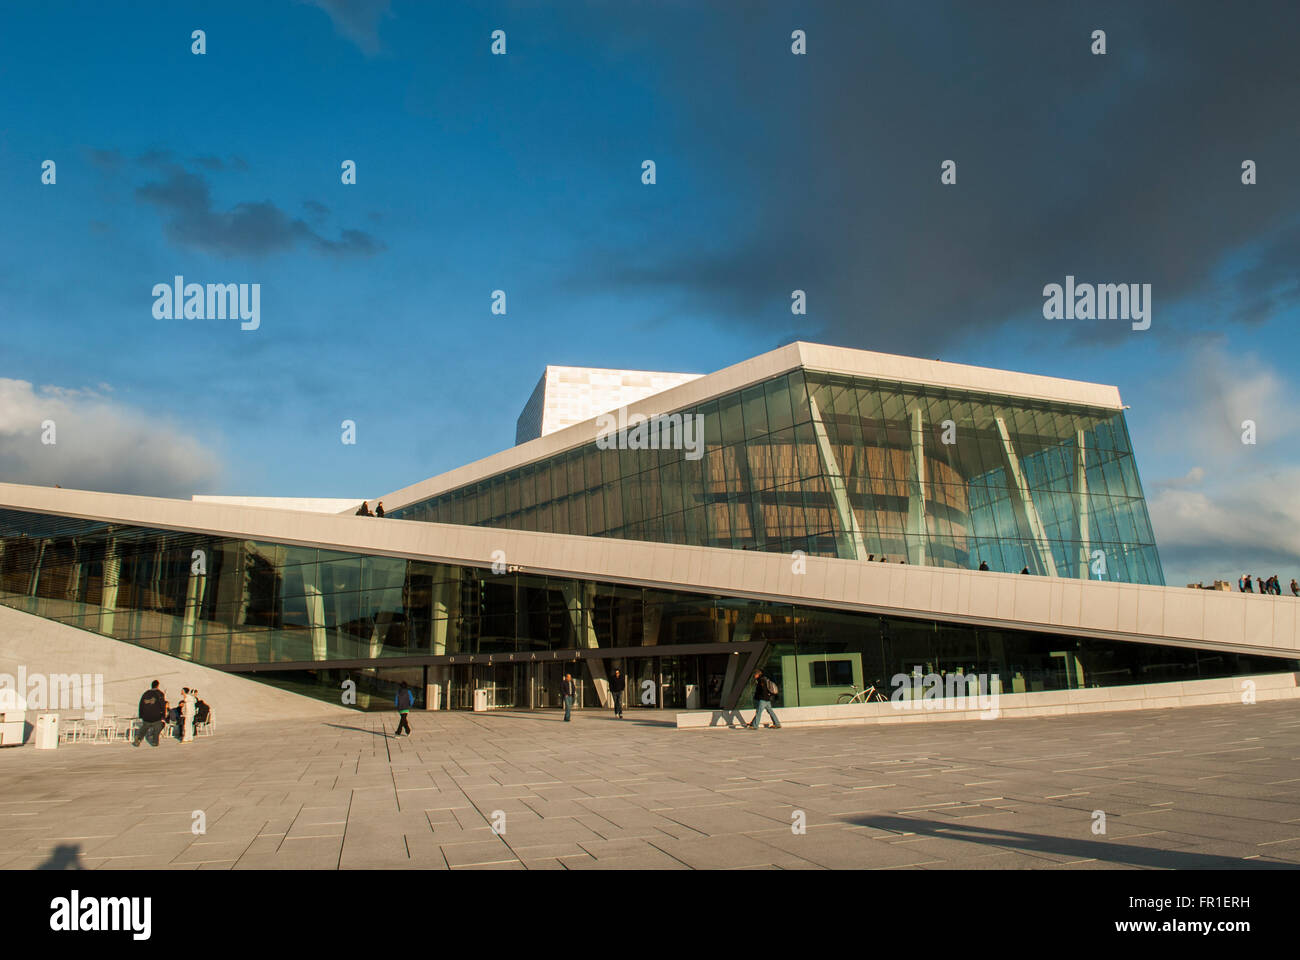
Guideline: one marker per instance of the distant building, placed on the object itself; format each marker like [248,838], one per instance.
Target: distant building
[568,395]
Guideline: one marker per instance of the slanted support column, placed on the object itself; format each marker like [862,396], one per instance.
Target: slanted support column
[1023,503]
[732,696]
[579,598]
[916,531]
[651,614]
[734,681]
[444,637]
[729,689]
[108,594]
[446,602]
[316,619]
[1081,499]
[242,582]
[74,576]
[193,598]
[835,480]
[35,580]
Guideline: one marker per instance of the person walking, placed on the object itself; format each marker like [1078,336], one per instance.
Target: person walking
[153,708]
[379,509]
[404,701]
[764,691]
[568,690]
[983,565]
[364,509]
[1295,588]
[617,684]
[187,715]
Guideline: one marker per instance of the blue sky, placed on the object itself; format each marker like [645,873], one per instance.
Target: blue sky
[522,173]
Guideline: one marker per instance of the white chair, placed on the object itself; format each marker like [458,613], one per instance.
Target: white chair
[70,731]
[205,729]
[125,727]
[105,730]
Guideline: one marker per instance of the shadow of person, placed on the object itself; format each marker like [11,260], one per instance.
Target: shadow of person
[66,856]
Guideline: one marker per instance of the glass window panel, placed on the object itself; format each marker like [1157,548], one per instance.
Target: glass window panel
[754,405]
[779,413]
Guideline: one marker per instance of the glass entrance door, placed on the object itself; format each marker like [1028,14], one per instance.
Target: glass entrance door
[507,685]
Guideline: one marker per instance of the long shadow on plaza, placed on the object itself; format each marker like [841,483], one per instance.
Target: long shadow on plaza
[340,726]
[552,715]
[1119,853]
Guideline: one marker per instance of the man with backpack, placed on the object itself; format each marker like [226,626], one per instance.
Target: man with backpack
[404,701]
[765,691]
[153,707]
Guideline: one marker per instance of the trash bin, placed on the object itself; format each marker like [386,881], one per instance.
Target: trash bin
[47,731]
[692,696]
[480,701]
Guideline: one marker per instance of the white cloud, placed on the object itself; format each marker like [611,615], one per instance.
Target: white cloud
[1249,524]
[1193,478]
[358,20]
[100,444]
[1206,402]
[1235,509]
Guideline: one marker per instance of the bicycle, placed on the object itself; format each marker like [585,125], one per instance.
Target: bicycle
[869,695]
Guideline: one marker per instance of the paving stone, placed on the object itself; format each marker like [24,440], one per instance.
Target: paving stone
[1200,787]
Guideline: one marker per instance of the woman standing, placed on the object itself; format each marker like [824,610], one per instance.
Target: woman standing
[187,715]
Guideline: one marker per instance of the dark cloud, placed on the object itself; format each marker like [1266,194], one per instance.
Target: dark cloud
[110,160]
[1272,281]
[216,164]
[350,243]
[246,229]
[156,158]
[1117,168]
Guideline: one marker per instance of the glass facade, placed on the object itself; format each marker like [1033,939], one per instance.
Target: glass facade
[308,619]
[858,469]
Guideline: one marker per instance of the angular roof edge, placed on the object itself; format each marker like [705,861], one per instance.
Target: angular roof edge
[799,354]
